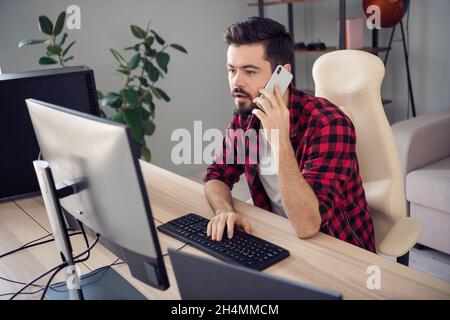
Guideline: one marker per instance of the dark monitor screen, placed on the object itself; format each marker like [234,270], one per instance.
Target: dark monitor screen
[72,87]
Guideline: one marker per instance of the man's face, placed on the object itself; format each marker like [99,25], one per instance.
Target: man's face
[248,72]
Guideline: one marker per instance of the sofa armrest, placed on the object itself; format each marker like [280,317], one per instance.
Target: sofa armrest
[422,140]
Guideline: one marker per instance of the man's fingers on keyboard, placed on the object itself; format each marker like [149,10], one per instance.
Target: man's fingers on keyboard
[230,226]
[221,226]
[209,228]
[214,222]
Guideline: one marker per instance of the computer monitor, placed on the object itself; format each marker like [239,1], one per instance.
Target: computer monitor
[193,275]
[72,87]
[100,159]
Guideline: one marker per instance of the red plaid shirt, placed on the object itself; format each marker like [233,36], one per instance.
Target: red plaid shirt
[324,140]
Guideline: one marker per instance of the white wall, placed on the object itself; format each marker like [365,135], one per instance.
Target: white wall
[197,82]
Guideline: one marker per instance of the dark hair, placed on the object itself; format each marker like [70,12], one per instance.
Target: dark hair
[278,43]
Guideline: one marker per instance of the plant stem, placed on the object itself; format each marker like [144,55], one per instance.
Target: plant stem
[59,54]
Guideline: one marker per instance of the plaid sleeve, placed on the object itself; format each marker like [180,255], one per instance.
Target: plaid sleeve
[329,162]
[221,169]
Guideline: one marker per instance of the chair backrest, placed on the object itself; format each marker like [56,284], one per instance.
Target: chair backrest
[351,79]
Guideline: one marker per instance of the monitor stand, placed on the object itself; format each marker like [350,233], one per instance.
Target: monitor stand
[104,284]
[99,284]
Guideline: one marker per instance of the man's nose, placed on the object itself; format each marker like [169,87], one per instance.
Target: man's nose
[239,80]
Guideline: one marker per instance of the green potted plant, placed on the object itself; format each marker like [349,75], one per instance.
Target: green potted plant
[55,52]
[134,103]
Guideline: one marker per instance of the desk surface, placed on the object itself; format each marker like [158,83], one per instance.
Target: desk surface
[322,261]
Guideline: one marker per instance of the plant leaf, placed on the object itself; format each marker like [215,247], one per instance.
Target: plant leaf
[144,113]
[45,25]
[119,58]
[124,71]
[149,52]
[112,99]
[146,154]
[131,96]
[133,120]
[28,42]
[143,81]
[134,62]
[158,38]
[162,94]
[149,127]
[63,39]
[99,95]
[53,50]
[149,41]
[138,32]
[69,58]
[118,117]
[103,114]
[151,70]
[162,59]
[178,47]
[47,60]
[68,48]
[59,25]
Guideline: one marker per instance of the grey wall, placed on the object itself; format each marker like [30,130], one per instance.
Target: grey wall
[197,82]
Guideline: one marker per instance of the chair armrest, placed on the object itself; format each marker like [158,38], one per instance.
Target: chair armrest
[422,140]
[401,238]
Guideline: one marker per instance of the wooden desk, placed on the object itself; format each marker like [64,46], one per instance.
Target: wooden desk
[322,261]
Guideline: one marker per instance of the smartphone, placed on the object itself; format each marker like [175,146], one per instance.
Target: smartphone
[280,76]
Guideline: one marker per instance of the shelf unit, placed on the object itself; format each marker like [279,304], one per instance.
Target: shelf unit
[374,49]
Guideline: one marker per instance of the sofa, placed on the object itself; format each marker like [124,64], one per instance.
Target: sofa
[424,149]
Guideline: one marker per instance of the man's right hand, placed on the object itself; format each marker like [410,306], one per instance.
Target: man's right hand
[216,225]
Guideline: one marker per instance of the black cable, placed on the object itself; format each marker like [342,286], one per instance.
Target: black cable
[11,293]
[53,269]
[50,281]
[33,243]
[85,237]
[184,245]
[88,250]
[94,272]
[36,279]
[58,270]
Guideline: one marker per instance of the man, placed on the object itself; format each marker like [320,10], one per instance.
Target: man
[316,184]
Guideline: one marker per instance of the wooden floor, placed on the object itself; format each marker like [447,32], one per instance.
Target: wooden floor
[432,262]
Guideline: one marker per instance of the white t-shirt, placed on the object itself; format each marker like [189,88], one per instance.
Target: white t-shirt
[268,173]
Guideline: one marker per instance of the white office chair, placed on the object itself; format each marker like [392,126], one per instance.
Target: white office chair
[351,79]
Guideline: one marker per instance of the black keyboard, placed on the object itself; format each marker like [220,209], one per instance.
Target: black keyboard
[243,248]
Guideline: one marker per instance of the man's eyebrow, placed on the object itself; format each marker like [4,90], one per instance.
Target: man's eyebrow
[246,66]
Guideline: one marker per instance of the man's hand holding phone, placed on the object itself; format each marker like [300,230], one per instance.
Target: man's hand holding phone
[273,113]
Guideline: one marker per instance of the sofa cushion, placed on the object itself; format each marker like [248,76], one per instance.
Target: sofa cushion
[430,185]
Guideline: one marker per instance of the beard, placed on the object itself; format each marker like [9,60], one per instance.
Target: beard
[243,108]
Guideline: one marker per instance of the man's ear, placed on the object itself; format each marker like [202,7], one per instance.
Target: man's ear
[288,67]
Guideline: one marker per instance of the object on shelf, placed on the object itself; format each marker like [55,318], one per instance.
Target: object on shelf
[354,33]
[300,46]
[316,46]
[391,11]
